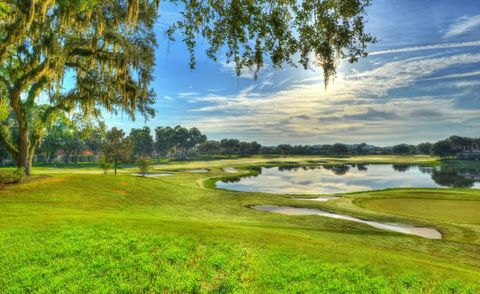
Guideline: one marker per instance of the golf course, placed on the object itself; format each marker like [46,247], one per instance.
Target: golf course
[240,146]
[74,229]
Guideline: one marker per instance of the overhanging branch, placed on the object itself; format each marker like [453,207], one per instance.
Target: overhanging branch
[6,140]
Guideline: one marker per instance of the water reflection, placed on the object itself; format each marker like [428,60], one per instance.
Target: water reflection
[332,179]
[454,178]
[400,167]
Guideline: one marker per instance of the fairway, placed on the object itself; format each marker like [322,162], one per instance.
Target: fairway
[78,232]
[454,211]
[239,146]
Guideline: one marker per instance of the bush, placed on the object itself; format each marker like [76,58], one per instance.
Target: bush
[104,164]
[144,164]
[11,176]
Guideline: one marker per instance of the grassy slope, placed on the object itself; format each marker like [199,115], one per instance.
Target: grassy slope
[74,232]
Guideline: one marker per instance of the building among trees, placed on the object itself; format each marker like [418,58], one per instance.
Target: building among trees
[469,155]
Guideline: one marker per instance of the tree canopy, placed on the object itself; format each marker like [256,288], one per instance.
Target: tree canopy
[117,148]
[105,48]
[309,33]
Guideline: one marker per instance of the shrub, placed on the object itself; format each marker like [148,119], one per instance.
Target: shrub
[104,164]
[144,164]
[11,176]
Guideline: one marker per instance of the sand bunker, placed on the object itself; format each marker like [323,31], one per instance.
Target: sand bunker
[405,229]
[230,170]
[153,175]
[202,170]
[319,199]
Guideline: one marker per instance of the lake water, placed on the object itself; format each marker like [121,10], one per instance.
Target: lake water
[351,178]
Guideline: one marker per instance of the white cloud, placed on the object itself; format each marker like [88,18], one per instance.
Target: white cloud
[456,76]
[463,25]
[355,108]
[245,72]
[187,94]
[426,47]
[405,72]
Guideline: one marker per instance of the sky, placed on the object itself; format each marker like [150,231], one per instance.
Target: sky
[421,82]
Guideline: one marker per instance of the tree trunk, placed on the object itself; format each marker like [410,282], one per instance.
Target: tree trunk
[115,166]
[31,152]
[23,160]
[23,133]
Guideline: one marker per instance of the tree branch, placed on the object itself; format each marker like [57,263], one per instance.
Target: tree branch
[7,141]
[34,74]
[34,90]
[13,32]
[5,82]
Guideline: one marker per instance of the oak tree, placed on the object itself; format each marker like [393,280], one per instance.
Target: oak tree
[105,49]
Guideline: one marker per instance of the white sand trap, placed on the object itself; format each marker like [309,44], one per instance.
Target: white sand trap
[230,170]
[319,199]
[202,170]
[405,229]
[153,175]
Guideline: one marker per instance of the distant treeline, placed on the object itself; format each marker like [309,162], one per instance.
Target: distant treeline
[72,142]
[444,148]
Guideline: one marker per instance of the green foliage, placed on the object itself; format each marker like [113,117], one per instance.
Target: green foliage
[425,148]
[178,140]
[107,47]
[339,149]
[144,164]
[4,109]
[143,144]
[104,164]
[117,148]
[443,148]
[404,149]
[308,32]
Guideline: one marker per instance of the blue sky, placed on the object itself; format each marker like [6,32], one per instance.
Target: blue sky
[421,82]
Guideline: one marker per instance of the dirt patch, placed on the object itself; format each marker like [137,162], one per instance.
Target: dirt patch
[53,180]
[121,192]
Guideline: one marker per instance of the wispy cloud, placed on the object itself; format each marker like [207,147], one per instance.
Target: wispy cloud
[403,73]
[426,47]
[462,25]
[357,107]
[187,94]
[167,18]
[245,72]
[456,76]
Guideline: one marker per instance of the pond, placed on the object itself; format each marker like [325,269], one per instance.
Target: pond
[351,178]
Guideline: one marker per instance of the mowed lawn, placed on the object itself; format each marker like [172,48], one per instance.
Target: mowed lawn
[455,211]
[72,232]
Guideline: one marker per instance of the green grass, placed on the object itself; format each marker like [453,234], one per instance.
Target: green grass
[79,231]
[454,211]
